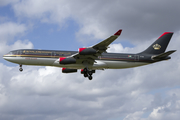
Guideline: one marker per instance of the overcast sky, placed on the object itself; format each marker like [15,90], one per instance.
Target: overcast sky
[149,92]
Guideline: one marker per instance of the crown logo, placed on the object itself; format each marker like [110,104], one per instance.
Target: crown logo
[156,46]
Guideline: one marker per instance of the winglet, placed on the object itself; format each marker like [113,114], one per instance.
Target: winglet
[118,32]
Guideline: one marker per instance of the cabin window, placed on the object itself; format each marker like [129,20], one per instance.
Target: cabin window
[36,52]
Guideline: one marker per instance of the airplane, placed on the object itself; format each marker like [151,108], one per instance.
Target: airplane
[90,59]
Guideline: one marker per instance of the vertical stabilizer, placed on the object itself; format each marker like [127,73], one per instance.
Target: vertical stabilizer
[160,45]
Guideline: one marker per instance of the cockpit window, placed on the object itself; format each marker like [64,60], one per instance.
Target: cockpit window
[12,52]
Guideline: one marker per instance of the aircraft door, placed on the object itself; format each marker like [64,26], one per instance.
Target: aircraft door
[19,53]
[53,54]
[136,58]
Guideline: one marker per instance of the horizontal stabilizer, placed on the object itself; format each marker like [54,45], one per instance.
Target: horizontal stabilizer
[163,55]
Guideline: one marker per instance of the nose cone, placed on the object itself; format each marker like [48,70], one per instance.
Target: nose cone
[5,57]
[9,58]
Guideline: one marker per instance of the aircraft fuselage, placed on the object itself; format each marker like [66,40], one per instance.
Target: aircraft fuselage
[51,58]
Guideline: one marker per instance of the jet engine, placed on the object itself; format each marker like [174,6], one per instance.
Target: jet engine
[67,70]
[87,51]
[65,60]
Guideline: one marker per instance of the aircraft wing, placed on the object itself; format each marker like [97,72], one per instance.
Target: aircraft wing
[88,55]
[103,46]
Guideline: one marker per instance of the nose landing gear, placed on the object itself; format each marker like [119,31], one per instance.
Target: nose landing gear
[20,69]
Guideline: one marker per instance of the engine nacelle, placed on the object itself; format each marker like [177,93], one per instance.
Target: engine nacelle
[67,70]
[87,51]
[64,60]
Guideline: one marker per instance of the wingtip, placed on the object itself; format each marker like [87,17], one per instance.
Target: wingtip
[118,32]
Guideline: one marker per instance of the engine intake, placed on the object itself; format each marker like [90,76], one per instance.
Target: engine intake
[64,60]
[87,51]
[67,70]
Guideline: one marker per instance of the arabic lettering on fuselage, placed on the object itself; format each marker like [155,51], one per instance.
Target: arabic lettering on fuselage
[34,51]
[45,52]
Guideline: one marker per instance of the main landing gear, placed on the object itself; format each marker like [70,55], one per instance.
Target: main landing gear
[87,73]
[20,69]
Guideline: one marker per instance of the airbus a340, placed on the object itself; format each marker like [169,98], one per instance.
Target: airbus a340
[92,58]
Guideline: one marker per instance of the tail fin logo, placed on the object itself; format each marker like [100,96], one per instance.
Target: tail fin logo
[156,46]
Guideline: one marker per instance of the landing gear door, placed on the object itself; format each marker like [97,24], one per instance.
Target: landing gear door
[136,58]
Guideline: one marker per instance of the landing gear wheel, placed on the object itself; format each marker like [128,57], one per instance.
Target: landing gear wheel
[20,69]
[85,70]
[85,75]
[90,73]
[90,77]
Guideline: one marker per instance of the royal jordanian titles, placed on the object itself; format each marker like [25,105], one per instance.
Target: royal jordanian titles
[92,58]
